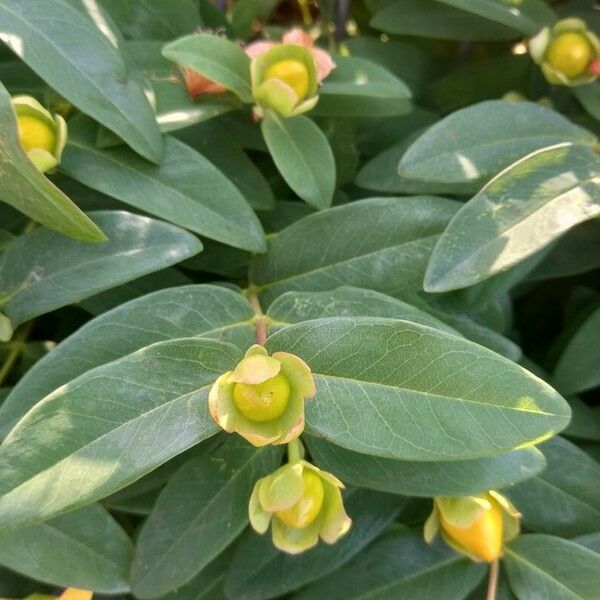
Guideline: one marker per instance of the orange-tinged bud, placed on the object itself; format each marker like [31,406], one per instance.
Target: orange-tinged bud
[264,401]
[569,53]
[308,506]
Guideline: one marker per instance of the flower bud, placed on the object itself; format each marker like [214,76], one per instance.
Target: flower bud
[566,52]
[284,79]
[477,526]
[198,85]
[301,503]
[42,135]
[262,399]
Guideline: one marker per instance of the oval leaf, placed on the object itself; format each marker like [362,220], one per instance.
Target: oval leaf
[414,393]
[548,192]
[65,49]
[303,156]
[42,271]
[109,427]
[185,311]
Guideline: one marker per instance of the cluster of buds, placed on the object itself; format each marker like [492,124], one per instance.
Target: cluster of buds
[568,53]
[42,135]
[476,526]
[262,399]
[285,76]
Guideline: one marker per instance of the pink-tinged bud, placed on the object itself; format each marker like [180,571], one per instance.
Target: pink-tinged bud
[594,67]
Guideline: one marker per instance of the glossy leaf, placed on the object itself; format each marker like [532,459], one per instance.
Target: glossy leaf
[379,243]
[543,566]
[217,58]
[186,188]
[577,368]
[303,157]
[29,191]
[184,311]
[203,508]
[417,478]
[43,271]
[259,571]
[65,49]
[109,427]
[414,393]
[401,565]
[564,499]
[84,549]
[515,215]
[475,143]
[360,88]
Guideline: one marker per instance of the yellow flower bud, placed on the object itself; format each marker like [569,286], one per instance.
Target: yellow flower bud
[569,53]
[35,133]
[477,526]
[263,401]
[291,72]
[308,506]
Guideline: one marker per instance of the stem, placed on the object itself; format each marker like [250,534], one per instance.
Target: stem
[493,580]
[260,321]
[18,343]
[295,450]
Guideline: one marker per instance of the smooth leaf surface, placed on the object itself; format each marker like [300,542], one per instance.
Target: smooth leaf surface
[432,19]
[259,571]
[543,566]
[65,49]
[109,427]
[186,188]
[179,312]
[577,369]
[379,243]
[401,565]
[29,191]
[217,58]
[85,548]
[400,390]
[303,157]
[564,499]
[360,88]
[417,478]
[475,143]
[43,271]
[203,508]
[515,215]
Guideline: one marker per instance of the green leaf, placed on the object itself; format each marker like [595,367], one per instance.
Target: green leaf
[542,566]
[109,427]
[360,88]
[43,271]
[259,571]
[203,508]
[296,307]
[526,16]
[411,392]
[185,189]
[577,368]
[547,192]
[29,191]
[461,477]
[585,423]
[432,19]
[215,57]
[589,96]
[477,142]
[84,549]
[378,243]
[66,49]
[303,156]
[400,565]
[185,311]
[564,499]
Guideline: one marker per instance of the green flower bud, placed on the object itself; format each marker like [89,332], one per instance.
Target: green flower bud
[301,503]
[565,52]
[42,135]
[477,526]
[262,399]
[284,79]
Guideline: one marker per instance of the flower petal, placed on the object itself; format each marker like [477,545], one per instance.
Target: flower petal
[336,522]
[324,63]
[259,47]
[298,374]
[255,369]
[282,489]
[259,518]
[293,540]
